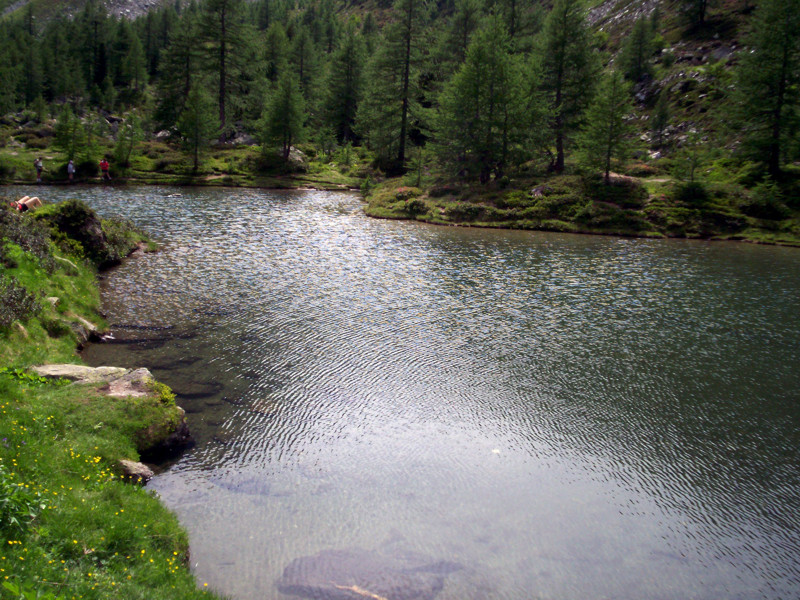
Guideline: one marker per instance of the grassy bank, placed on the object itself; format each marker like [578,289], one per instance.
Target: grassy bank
[629,206]
[69,526]
[157,162]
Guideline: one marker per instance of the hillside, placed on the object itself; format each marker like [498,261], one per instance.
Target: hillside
[50,8]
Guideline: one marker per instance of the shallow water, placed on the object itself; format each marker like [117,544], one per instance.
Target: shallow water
[566,417]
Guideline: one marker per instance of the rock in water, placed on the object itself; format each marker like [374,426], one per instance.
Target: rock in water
[357,574]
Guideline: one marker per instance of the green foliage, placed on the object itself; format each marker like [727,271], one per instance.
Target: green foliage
[70,137]
[484,116]
[129,135]
[122,235]
[766,202]
[27,233]
[344,87]
[637,50]
[766,98]
[23,376]
[282,122]
[26,590]
[660,119]
[608,131]
[198,123]
[18,505]
[390,106]
[566,69]
[163,392]
[16,303]
[691,192]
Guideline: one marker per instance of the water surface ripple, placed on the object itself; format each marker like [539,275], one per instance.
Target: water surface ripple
[566,417]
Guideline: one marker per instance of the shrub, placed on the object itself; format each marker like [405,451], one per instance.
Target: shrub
[18,505]
[766,202]
[28,234]
[75,220]
[415,207]
[16,303]
[691,192]
[122,235]
[86,168]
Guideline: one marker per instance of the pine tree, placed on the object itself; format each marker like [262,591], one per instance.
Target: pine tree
[568,67]
[344,86]
[228,47]
[660,118]
[608,131]
[282,122]
[637,49]
[198,124]
[482,112]
[766,101]
[180,65]
[391,98]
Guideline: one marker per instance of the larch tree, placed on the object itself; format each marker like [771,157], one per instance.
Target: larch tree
[180,65]
[608,130]
[568,67]
[198,123]
[766,99]
[345,85]
[227,41]
[284,116]
[482,111]
[391,98]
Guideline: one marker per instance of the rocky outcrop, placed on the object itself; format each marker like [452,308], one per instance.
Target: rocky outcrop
[132,384]
[167,436]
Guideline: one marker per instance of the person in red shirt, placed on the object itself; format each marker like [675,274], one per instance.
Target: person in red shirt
[104,169]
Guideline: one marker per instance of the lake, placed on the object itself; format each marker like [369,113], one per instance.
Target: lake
[563,416]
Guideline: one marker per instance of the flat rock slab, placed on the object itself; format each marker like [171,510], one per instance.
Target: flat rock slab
[356,574]
[80,373]
[120,382]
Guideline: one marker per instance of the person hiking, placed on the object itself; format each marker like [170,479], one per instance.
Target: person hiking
[104,169]
[71,170]
[39,166]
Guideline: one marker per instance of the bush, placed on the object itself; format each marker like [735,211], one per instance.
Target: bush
[16,303]
[122,235]
[27,234]
[625,192]
[691,192]
[766,202]
[75,220]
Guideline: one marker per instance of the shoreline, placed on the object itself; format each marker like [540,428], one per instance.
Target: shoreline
[74,518]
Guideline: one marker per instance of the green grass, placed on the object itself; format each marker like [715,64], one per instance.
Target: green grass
[650,208]
[69,527]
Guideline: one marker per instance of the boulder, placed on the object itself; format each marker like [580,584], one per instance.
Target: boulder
[136,383]
[136,471]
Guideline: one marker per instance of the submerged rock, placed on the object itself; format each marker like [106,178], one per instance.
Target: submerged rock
[355,574]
